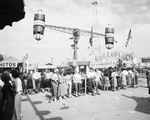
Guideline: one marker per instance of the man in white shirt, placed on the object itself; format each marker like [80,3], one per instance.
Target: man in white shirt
[97,80]
[48,80]
[76,81]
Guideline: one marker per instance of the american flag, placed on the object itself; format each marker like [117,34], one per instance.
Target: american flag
[129,37]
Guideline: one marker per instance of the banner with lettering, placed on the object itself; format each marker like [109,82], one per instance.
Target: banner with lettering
[8,65]
[9,62]
[110,58]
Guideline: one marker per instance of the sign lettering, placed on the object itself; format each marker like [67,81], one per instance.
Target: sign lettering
[8,65]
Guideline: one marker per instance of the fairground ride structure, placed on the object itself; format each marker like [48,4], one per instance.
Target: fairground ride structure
[39,27]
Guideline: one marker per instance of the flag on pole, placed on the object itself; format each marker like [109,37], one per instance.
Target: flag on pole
[91,38]
[129,37]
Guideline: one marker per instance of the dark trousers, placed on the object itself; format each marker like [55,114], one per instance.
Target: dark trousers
[37,84]
[136,80]
[43,84]
[75,88]
[23,85]
[90,85]
[80,88]
[148,81]
[96,84]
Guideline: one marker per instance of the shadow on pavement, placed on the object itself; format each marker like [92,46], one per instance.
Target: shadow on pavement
[143,103]
[37,102]
[55,118]
[64,107]
[24,100]
[41,113]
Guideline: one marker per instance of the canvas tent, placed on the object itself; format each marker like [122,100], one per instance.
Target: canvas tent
[9,62]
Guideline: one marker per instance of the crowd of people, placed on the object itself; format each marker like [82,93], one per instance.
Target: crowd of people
[112,79]
[62,84]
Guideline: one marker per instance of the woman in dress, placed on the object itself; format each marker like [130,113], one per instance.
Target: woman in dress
[114,79]
[69,78]
[18,96]
[124,75]
[107,82]
[130,77]
[62,91]
[55,81]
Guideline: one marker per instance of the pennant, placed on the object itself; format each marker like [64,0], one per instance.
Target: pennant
[26,56]
[129,37]
[91,38]
[94,3]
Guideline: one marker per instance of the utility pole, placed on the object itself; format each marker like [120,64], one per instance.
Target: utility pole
[75,55]
[76,35]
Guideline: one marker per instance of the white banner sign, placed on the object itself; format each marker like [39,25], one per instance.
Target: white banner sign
[8,65]
[110,58]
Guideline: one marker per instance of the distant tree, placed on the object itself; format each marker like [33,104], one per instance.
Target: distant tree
[1,57]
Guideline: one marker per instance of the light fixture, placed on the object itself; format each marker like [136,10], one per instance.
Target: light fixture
[109,36]
[39,25]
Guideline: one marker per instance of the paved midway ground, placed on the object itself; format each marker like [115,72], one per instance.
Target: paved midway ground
[129,104]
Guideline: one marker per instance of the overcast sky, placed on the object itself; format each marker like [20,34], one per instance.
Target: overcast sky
[18,40]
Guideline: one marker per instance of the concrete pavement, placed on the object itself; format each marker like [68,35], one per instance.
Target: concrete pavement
[129,104]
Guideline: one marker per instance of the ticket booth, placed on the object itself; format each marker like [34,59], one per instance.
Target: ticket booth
[82,66]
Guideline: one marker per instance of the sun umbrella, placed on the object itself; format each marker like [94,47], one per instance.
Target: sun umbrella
[11,11]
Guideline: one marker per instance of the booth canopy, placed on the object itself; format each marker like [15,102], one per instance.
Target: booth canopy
[43,66]
[40,66]
[9,62]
